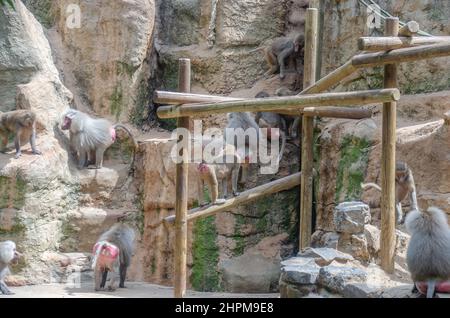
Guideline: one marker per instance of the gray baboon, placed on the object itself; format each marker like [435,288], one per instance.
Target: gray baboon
[23,124]
[8,255]
[404,186]
[112,253]
[282,49]
[428,254]
[90,137]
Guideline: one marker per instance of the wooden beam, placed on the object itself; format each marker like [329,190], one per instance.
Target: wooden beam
[180,250]
[306,154]
[331,79]
[173,98]
[337,112]
[409,29]
[387,43]
[401,55]
[247,196]
[388,239]
[275,104]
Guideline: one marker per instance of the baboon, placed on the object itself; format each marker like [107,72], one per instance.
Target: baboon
[404,186]
[244,121]
[90,137]
[223,169]
[282,49]
[270,120]
[292,122]
[112,253]
[8,255]
[428,253]
[23,124]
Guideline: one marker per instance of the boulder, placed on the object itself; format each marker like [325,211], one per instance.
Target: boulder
[335,278]
[250,273]
[299,271]
[350,217]
[324,256]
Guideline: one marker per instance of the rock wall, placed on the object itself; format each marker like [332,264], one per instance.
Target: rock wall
[346,21]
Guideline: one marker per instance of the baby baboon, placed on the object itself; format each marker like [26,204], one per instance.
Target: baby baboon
[112,253]
[90,137]
[224,168]
[428,254]
[8,255]
[404,186]
[282,49]
[23,124]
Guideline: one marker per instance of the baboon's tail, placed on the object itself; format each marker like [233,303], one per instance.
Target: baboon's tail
[366,186]
[135,145]
[430,289]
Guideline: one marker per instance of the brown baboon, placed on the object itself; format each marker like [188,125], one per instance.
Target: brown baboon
[404,186]
[223,169]
[90,137]
[112,253]
[282,49]
[428,254]
[8,255]
[23,124]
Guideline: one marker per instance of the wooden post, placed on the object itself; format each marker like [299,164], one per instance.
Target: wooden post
[388,240]
[184,83]
[307,156]
[409,29]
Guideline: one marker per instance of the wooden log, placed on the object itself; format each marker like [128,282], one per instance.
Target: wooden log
[174,98]
[387,43]
[388,239]
[331,79]
[401,55]
[409,29]
[247,196]
[275,104]
[337,112]
[306,154]
[180,250]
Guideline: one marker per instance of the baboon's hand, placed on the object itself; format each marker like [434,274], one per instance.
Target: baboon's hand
[18,155]
[235,193]
[37,152]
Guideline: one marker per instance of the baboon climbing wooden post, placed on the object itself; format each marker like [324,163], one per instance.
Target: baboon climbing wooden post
[184,85]
[309,78]
[387,243]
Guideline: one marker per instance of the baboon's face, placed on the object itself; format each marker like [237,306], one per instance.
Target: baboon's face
[67,122]
[400,175]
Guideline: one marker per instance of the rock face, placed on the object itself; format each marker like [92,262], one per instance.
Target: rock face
[105,59]
[346,21]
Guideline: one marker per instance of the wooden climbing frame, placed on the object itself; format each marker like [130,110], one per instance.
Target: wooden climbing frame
[398,45]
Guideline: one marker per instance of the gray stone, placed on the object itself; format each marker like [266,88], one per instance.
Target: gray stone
[335,278]
[355,245]
[250,273]
[360,290]
[350,217]
[372,234]
[299,270]
[295,291]
[324,256]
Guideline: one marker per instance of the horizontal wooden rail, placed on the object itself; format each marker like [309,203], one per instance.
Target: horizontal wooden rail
[375,59]
[172,98]
[338,112]
[274,104]
[282,184]
[387,43]
[401,55]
